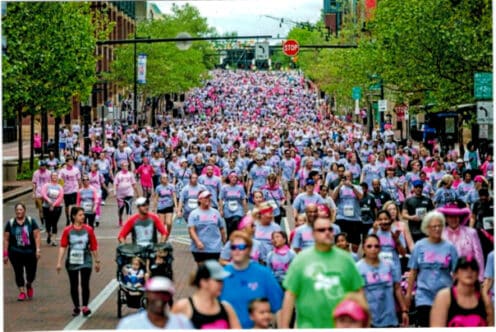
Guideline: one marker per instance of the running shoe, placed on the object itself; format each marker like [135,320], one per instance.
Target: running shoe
[76,312]
[30,291]
[102,203]
[54,244]
[86,311]
[21,297]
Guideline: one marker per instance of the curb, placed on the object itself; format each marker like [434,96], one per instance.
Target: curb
[13,194]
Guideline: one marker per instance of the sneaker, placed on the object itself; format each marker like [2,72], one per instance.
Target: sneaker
[86,311]
[76,312]
[97,223]
[54,244]
[21,297]
[30,291]
[49,239]
[102,203]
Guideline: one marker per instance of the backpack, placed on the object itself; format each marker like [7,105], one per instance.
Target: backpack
[30,221]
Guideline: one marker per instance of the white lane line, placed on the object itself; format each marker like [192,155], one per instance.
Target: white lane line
[78,321]
[286,223]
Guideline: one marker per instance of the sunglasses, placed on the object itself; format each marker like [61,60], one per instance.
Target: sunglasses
[368,246]
[239,246]
[86,179]
[323,230]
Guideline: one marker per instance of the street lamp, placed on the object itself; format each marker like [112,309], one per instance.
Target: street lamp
[86,115]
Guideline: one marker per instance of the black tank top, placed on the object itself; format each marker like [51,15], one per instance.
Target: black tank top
[461,317]
[216,321]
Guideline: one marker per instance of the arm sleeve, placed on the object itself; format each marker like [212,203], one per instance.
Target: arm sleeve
[92,236]
[60,197]
[128,226]
[64,239]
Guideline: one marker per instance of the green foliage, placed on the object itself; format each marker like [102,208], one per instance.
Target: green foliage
[423,50]
[49,58]
[168,68]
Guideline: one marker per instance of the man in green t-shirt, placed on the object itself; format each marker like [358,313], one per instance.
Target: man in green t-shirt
[317,280]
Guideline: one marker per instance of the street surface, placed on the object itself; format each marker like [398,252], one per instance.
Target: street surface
[51,306]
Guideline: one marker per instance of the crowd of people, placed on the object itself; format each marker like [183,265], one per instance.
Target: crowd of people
[386,233]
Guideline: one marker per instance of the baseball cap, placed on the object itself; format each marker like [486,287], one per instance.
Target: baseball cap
[418,183]
[205,194]
[259,157]
[140,201]
[459,160]
[160,284]
[215,270]
[42,163]
[352,309]
[309,182]
[479,178]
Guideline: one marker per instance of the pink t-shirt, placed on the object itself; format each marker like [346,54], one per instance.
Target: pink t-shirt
[39,179]
[71,179]
[145,172]
[124,184]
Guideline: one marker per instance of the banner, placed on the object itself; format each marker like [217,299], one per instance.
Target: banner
[141,68]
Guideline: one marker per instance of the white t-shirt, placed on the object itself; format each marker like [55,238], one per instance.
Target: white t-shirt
[140,321]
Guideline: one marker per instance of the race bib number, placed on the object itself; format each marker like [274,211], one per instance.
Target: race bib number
[488,223]
[76,257]
[420,212]
[192,203]
[386,256]
[87,207]
[348,211]
[232,206]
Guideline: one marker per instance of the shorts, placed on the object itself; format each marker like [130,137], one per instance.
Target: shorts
[169,209]
[38,202]
[203,256]
[70,199]
[352,228]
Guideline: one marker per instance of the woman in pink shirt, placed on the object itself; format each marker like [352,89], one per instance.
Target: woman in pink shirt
[53,195]
[464,238]
[146,172]
[125,190]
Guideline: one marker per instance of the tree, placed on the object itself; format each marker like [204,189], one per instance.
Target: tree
[423,51]
[49,58]
[169,70]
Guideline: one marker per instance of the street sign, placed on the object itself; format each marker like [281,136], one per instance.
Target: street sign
[290,47]
[382,105]
[261,51]
[356,92]
[483,86]
[484,131]
[484,112]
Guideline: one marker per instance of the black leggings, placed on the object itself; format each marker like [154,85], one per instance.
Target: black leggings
[21,262]
[52,218]
[128,201]
[85,285]
[232,224]
[423,315]
[90,219]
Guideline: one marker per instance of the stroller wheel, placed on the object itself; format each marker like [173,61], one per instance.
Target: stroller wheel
[119,303]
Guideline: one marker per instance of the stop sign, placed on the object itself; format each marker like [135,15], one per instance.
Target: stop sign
[290,47]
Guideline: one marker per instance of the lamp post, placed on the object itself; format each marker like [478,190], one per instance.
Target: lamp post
[135,104]
[86,114]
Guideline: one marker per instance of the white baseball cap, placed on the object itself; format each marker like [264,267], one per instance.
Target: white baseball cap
[160,284]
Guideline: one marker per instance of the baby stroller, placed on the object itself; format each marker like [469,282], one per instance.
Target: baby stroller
[128,294]
[133,297]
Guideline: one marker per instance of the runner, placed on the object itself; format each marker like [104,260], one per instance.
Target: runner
[40,177]
[125,190]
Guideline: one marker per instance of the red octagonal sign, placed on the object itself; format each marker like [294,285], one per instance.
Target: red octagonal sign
[290,47]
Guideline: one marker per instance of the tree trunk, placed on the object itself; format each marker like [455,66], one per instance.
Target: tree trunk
[56,134]
[19,141]
[44,133]
[31,152]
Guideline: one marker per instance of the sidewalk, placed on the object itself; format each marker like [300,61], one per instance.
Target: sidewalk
[11,150]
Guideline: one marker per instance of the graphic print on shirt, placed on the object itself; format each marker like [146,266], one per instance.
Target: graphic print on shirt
[325,281]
